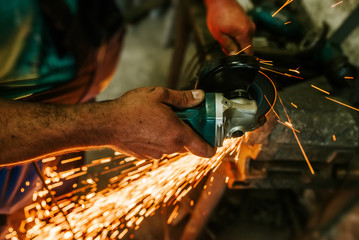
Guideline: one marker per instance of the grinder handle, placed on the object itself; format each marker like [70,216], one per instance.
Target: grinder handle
[201,118]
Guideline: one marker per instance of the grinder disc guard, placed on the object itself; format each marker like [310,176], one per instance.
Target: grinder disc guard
[238,76]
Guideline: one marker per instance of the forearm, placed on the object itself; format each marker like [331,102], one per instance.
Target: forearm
[133,124]
[31,131]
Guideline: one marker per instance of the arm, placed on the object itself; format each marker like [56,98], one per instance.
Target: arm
[140,123]
[230,25]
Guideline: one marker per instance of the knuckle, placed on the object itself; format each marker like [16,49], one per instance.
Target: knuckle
[161,92]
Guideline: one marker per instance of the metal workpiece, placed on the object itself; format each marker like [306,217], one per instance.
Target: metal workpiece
[328,133]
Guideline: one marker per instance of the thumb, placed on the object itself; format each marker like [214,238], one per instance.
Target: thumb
[184,99]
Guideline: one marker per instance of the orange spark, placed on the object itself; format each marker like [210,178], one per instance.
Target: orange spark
[294,105]
[270,63]
[334,138]
[275,93]
[243,49]
[285,4]
[320,89]
[294,70]
[265,61]
[287,22]
[349,77]
[123,233]
[171,217]
[336,4]
[271,106]
[71,160]
[346,105]
[284,74]
[50,159]
[287,124]
[296,137]
[137,193]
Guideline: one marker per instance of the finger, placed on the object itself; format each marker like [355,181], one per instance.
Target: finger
[184,99]
[197,145]
[228,44]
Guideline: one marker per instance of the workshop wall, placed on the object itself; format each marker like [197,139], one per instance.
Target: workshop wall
[322,11]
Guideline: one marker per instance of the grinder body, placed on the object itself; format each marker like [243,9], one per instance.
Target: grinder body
[234,102]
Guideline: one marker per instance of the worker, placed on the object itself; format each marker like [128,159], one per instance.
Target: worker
[56,56]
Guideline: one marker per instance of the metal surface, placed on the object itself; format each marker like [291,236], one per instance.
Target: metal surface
[280,163]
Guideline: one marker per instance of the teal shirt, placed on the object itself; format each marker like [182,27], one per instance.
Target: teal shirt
[29,62]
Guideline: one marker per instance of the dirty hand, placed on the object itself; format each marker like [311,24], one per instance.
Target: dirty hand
[230,25]
[144,125]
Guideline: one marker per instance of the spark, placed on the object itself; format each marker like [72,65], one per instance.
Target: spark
[334,138]
[319,89]
[243,49]
[118,208]
[284,74]
[173,214]
[296,137]
[123,233]
[336,4]
[275,93]
[50,159]
[287,22]
[287,124]
[294,70]
[285,4]
[271,106]
[347,77]
[265,61]
[71,160]
[346,105]
[294,105]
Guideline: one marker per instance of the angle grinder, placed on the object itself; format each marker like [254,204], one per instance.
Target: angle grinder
[237,99]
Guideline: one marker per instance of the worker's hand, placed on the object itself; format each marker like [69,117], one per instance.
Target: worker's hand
[146,127]
[230,25]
